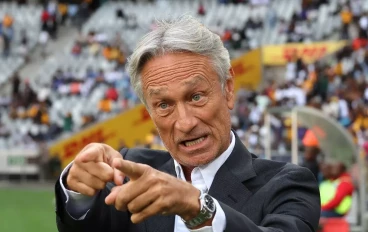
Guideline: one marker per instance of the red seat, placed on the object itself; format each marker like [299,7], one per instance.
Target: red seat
[334,225]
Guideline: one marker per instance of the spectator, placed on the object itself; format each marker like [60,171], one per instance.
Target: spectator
[87,119]
[77,49]
[23,46]
[201,11]
[7,34]
[29,96]
[363,23]
[346,19]
[45,16]
[15,85]
[120,15]
[312,150]
[43,42]
[112,93]
[63,12]
[68,122]
[90,74]
[7,21]
[336,191]
[105,105]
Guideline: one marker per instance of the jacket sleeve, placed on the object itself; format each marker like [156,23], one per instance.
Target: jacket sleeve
[100,217]
[293,204]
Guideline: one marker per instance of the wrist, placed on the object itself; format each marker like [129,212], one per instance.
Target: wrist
[205,215]
[193,206]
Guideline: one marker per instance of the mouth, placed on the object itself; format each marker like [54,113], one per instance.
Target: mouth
[192,142]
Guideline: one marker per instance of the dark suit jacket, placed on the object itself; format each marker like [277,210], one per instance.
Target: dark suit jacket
[255,194]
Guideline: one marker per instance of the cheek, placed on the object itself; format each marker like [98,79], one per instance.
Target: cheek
[218,114]
[163,126]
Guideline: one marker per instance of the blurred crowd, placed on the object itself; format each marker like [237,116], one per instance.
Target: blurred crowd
[299,29]
[338,88]
[55,13]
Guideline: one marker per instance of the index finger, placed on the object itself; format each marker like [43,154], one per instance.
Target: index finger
[129,168]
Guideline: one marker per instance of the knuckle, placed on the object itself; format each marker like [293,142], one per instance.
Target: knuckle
[78,159]
[121,199]
[132,207]
[121,206]
[148,170]
[100,185]
[165,205]
[118,207]
[107,175]
[157,190]
[153,178]
[89,192]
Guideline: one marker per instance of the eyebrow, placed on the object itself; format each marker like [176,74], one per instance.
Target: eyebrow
[190,83]
[156,91]
[194,81]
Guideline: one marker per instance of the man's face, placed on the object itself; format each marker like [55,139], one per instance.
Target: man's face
[188,106]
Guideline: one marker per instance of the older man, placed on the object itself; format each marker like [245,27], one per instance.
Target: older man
[208,181]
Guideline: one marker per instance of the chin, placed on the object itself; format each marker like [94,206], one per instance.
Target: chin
[197,160]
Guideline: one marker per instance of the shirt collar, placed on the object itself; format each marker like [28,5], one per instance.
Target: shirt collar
[209,170]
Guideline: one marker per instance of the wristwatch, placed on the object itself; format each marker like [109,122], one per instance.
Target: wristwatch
[208,209]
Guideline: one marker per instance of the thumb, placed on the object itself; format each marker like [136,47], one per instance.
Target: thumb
[118,177]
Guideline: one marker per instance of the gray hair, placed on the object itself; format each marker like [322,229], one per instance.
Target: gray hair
[184,34]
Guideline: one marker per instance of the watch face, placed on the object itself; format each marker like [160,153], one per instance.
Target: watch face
[209,202]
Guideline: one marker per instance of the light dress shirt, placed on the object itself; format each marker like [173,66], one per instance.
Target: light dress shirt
[78,205]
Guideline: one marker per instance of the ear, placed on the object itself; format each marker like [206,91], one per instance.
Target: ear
[229,90]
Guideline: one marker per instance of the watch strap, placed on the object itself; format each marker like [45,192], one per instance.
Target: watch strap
[206,212]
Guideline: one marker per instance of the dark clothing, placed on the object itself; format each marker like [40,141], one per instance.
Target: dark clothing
[16,83]
[256,195]
[330,214]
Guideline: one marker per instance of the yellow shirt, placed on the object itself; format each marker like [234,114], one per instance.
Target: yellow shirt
[105,105]
[346,17]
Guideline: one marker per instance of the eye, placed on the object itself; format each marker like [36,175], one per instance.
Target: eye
[196,97]
[163,106]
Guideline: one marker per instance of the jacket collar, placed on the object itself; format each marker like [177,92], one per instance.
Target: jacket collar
[228,186]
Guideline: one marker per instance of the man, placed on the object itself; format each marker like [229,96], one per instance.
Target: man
[207,181]
[336,191]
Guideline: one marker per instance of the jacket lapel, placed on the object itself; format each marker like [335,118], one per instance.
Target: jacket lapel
[160,223]
[227,186]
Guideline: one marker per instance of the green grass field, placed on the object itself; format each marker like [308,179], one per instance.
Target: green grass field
[23,210]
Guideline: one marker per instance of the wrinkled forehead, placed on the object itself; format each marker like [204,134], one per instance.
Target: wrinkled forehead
[187,68]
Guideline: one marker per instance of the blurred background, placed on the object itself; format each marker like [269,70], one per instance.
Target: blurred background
[301,76]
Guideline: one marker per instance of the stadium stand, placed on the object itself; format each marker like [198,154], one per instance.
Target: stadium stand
[19,29]
[111,33]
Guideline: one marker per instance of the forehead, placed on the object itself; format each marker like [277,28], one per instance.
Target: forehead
[174,68]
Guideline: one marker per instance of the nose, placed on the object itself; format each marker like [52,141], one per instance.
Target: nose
[185,121]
